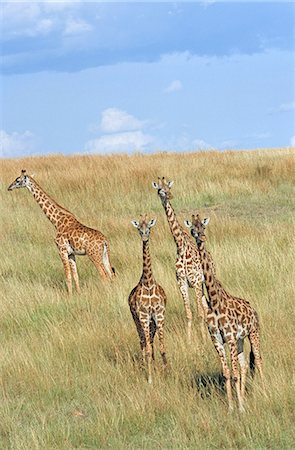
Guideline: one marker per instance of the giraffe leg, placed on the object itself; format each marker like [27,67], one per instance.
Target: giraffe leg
[144,320]
[183,286]
[219,347]
[204,303]
[153,329]
[65,260]
[235,369]
[73,266]
[99,255]
[243,366]
[160,324]
[140,335]
[202,313]
[99,266]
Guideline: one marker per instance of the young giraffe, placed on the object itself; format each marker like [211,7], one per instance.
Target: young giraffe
[147,302]
[188,266]
[230,319]
[72,238]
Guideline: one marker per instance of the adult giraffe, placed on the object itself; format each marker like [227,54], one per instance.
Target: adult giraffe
[230,320]
[188,266]
[72,237]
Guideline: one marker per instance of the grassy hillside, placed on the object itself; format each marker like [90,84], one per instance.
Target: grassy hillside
[70,377]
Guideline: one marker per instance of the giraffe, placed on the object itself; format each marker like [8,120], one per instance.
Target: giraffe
[188,266]
[147,302]
[229,319]
[72,237]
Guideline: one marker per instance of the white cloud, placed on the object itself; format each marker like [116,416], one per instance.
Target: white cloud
[119,142]
[58,6]
[229,144]
[18,18]
[174,86]
[44,26]
[175,9]
[123,133]
[292,141]
[207,3]
[31,19]
[199,144]
[284,107]
[115,120]
[16,144]
[181,142]
[76,26]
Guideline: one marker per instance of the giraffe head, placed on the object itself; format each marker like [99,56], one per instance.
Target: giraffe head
[20,182]
[164,189]
[144,227]
[197,228]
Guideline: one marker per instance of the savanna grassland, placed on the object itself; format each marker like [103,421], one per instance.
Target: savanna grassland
[70,375]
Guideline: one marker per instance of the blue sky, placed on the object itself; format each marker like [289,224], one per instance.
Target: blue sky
[92,77]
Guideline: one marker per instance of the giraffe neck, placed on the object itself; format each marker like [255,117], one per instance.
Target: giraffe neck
[147,277]
[51,209]
[173,224]
[212,284]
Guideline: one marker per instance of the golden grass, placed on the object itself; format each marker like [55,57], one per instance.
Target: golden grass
[70,377]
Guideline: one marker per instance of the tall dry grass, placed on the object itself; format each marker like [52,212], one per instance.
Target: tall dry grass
[70,376]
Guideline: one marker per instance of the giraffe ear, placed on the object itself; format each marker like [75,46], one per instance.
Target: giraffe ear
[206,221]
[155,185]
[170,184]
[187,223]
[152,223]
[135,223]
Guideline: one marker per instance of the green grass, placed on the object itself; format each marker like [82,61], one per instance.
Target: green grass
[70,372]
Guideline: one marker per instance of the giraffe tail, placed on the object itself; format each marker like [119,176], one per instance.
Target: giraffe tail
[106,261]
[253,337]
[252,362]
